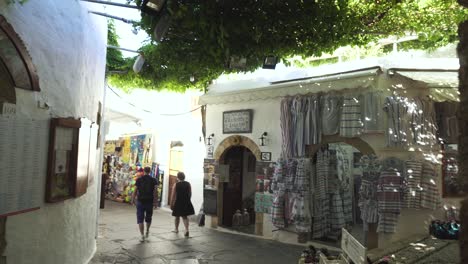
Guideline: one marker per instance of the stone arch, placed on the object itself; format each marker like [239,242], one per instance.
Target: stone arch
[17,62]
[237,140]
[356,142]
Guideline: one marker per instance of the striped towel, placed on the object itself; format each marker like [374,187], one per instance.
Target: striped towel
[413,179]
[430,198]
[389,191]
[387,223]
[351,124]
[277,210]
[286,127]
[330,108]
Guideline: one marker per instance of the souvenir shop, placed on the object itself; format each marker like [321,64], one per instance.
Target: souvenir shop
[372,151]
[124,160]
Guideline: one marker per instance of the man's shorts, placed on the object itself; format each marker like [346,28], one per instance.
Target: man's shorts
[144,211]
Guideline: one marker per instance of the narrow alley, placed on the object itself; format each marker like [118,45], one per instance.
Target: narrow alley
[118,242]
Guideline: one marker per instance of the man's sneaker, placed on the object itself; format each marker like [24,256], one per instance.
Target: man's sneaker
[142,239]
[147,234]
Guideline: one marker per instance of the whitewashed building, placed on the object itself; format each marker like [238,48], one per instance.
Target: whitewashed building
[53,57]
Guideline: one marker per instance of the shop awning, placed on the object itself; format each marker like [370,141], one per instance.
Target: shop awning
[363,78]
[443,82]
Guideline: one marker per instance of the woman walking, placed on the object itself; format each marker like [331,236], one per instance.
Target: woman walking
[180,203]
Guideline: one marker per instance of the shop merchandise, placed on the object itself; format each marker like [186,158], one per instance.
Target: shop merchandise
[368,202]
[312,122]
[445,229]
[389,196]
[351,124]
[447,122]
[372,116]
[300,124]
[277,209]
[396,108]
[430,198]
[330,109]
[413,189]
[286,128]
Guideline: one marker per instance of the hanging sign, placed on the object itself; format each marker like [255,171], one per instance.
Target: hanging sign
[239,121]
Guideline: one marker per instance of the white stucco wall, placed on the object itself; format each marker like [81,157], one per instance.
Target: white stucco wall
[266,118]
[68,48]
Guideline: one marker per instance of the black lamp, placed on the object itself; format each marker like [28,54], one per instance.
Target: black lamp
[262,138]
[152,7]
[270,62]
[210,137]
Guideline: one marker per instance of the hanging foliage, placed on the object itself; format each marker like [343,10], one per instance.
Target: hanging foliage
[205,37]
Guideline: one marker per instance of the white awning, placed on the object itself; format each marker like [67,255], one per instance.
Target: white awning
[356,79]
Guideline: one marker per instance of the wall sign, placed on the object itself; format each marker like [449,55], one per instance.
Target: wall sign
[266,156]
[239,121]
[23,158]
[63,160]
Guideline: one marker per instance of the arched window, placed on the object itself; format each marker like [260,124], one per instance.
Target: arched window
[16,67]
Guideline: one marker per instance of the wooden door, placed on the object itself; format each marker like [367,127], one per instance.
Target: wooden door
[232,195]
[172,182]
[175,165]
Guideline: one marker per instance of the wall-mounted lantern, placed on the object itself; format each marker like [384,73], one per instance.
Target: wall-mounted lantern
[152,7]
[262,138]
[209,139]
[270,62]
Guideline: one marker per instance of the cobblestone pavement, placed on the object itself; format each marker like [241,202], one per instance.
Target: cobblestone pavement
[118,242]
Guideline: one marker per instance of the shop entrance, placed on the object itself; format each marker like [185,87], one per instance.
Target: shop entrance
[175,165]
[239,187]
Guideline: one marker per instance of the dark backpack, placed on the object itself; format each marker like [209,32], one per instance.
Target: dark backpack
[146,189]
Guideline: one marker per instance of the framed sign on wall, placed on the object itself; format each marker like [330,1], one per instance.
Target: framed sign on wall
[238,121]
[63,159]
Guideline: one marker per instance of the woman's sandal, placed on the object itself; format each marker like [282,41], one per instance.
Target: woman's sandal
[175,231]
[186,234]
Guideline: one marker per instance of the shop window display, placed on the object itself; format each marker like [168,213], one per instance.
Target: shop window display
[125,159]
[317,195]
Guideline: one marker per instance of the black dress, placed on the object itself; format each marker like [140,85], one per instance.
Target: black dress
[183,206]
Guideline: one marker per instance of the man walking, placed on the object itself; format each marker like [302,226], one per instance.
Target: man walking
[146,193]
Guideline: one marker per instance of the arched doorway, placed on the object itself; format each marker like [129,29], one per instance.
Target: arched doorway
[239,186]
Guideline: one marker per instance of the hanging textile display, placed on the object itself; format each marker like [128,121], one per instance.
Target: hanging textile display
[277,210]
[330,113]
[422,121]
[351,123]
[430,198]
[413,189]
[291,185]
[298,109]
[313,126]
[344,173]
[397,115]
[372,114]
[389,196]
[337,217]
[447,123]
[300,124]
[368,203]
[286,128]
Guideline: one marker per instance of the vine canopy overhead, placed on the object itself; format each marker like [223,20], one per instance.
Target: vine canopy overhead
[195,41]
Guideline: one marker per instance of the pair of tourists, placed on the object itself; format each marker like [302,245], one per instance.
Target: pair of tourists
[145,197]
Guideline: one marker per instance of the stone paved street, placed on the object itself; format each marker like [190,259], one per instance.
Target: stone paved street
[118,242]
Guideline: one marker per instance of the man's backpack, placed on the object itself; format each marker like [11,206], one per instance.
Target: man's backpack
[146,189]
